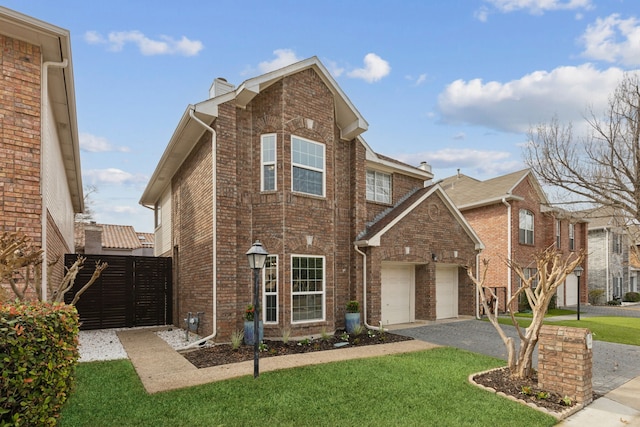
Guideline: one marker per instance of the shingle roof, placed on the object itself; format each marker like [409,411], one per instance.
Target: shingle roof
[602,217]
[469,192]
[114,236]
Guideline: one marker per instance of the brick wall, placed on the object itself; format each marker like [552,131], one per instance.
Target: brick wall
[565,362]
[20,135]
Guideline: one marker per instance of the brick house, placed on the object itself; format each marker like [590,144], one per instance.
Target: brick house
[612,262]
[40,181]
[511,214]
[281,159]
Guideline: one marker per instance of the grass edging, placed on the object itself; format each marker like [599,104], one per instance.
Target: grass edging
[558,415]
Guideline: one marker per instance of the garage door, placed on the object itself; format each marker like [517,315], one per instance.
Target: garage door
[446,292]
[571,293]
[397,293]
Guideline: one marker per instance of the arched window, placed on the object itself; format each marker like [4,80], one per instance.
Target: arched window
[526,227]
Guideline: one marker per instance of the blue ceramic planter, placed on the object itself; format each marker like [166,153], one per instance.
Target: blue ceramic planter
[248,332]
[352,321]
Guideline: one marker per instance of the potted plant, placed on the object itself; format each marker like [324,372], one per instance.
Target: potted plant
[249,314]
[352,316]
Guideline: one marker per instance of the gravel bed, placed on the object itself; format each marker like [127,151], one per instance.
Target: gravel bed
[104,344]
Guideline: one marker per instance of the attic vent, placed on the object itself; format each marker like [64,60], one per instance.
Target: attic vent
[219,87]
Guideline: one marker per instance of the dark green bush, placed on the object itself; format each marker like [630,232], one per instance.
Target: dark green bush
[631,297]
[38,355]
[614,302]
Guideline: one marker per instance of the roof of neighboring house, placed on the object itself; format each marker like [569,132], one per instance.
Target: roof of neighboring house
[389,218]
[147,240]
[468,193]
[55,44]
[192,124]
[115,236]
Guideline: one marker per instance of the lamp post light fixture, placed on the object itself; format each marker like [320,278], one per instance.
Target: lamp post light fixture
[578,272]
[257,256]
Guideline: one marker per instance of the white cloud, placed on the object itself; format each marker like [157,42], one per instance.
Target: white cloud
[334,68]
[613,39]
[515,106]
[112,176]
[474,162]
[123,209]
[417,81]
[98,144]
[538,7]
[164,45]
[375,68]
[283,58]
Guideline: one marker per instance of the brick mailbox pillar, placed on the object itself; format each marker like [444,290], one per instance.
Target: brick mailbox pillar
[565,361]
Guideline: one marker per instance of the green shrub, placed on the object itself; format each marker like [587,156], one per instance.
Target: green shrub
[38,355]
[595,296]
[614,302]
[631,297]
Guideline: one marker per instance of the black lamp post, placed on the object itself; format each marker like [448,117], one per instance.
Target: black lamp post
[578,272]
[257,256]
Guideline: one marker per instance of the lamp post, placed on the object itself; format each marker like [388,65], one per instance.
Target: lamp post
[257,256]
[578,272]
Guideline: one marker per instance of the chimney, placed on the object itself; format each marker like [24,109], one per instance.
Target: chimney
[425,166]
[92,238]
[220,86]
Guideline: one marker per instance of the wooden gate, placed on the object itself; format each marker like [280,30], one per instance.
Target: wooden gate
[131,291]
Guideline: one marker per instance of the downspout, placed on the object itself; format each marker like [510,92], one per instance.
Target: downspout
[477,291]
[509,243]
[43,196]
[364,290]
[214,239]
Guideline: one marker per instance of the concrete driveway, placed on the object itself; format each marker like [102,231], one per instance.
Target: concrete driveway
[613,364]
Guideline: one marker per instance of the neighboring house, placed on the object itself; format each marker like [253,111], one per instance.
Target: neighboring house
[280,159]
[510,213]
[108,239]
[610,260]
[40,181]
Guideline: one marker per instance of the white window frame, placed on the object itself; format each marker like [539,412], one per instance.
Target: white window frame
[322,170]
[323,293]
[522,226]
[375,194]
[558,234]
[266,270]
[264,139]
[572,236]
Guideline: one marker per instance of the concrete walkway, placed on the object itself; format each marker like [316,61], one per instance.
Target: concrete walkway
[161,368]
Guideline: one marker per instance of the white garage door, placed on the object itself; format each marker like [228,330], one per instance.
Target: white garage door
[571,293]
[446,292]
[397,293]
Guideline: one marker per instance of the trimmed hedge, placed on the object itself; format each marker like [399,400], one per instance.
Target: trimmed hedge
[38,356]
[631,297]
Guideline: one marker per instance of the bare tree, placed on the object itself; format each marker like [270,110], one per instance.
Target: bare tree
[601,168]
[552,270]
[21,267]
[87,215]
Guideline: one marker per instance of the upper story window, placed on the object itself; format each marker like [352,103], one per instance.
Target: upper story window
[308,166]
[378,186]
[268,162]
[526,227]
[572,233]
[617,243]
[558,228]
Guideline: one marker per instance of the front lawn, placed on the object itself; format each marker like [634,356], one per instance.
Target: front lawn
[621,330]
[423,388]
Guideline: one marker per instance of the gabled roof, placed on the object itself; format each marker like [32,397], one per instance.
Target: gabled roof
[603,217]
[115,236]
[388,219]
[55,45]
[468,193]
[190,128]
[387,164]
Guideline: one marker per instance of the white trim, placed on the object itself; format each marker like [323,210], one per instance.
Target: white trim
[323,292]
[375,186]
[276,293]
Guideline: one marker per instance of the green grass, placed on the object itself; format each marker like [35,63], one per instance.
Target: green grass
[414,389]
[550,313]
[621,330]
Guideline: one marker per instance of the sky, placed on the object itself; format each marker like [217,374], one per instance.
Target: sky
[455,83]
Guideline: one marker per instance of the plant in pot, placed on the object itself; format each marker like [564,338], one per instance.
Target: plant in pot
[249,314]
[352,316]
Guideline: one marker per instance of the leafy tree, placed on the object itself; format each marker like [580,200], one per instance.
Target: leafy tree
[552,270]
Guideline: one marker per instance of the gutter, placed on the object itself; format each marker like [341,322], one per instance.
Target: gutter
[43,123]
[364,290]
[214,217]
[509,248]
